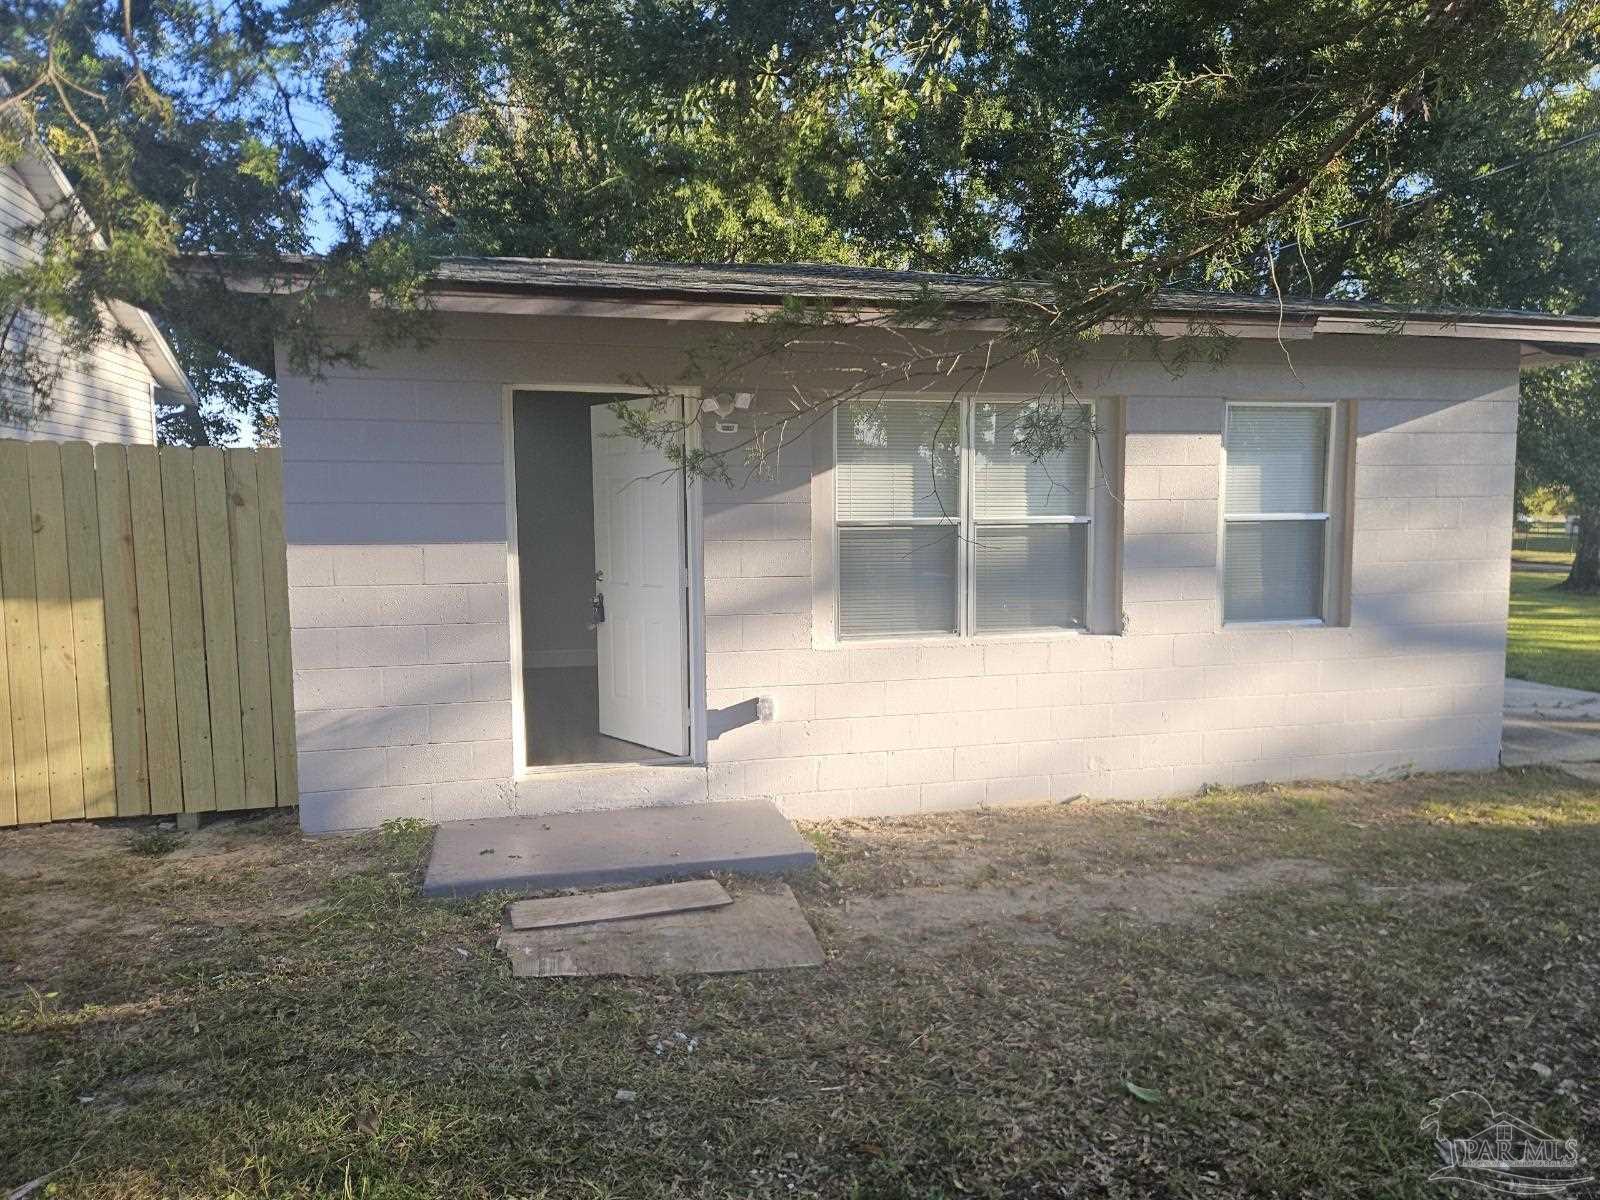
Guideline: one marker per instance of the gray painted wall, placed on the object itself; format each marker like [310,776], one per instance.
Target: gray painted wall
[555,527]
[396,519]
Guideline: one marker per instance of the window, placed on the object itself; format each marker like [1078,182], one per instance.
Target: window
[945,528]
[898,496]
[1275,512]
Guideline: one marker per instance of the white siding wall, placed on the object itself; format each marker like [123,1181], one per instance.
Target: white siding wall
[103,399]
[395,505]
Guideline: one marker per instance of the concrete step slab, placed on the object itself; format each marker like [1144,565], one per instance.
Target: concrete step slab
[594,849]
[755,933]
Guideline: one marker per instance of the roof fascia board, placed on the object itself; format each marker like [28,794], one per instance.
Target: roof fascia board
[1293,328]
[1552,337]
[155,350]
[509,304]
[1511,331]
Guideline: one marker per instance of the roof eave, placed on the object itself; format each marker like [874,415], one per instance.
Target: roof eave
[1544,338]
[50,186]
[1168,319]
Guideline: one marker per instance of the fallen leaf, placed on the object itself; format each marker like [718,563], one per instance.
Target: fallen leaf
[1148,1095]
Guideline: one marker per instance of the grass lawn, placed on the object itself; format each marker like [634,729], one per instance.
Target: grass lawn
[1554,558]
[1543,542]
[1554,637]
[1245,993]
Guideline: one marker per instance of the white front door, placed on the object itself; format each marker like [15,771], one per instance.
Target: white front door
[639,539]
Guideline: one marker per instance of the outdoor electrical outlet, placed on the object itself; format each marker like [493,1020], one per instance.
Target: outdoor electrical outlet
[764,707]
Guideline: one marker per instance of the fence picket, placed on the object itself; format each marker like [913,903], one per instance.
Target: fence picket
[188,630]
[275,576]
[89,627]
[8,774]
[221,635]
[30,757]
[155,629]
[58,651]
[250,614]
[123,659]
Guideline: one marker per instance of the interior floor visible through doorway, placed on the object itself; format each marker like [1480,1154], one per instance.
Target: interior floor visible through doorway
[563,709]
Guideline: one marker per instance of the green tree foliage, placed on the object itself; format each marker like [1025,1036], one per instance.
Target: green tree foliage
[179,124]
[1091,142]
[1559,446]
[761,132]
[1103,147]
[1500,212]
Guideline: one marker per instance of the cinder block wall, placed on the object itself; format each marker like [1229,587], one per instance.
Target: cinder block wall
[1414,681]
[395,513]
[396,519]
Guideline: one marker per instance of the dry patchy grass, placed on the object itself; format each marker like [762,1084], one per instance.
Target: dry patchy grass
[1296,971]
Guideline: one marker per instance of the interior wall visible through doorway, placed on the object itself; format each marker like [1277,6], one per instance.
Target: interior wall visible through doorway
[555,555]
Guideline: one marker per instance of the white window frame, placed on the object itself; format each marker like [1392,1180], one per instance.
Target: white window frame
[1225,517]
[966,524]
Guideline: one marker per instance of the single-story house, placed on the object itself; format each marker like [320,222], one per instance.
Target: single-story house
[1290,564]
[110,394]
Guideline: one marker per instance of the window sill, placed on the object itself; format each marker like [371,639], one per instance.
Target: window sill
[1279,623]
[954,639]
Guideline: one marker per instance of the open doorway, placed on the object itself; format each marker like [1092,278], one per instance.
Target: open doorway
[602,585]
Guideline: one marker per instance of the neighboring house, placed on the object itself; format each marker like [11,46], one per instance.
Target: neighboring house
[1293,565]
[111,394]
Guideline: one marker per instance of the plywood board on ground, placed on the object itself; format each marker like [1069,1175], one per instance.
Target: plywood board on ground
[754,933]
[599,907]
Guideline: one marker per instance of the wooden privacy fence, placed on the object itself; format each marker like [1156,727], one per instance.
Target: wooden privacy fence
[145,656]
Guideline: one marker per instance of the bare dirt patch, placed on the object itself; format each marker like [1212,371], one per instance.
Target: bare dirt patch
[60,923]
[45,851]
[1040,911]
[69,889]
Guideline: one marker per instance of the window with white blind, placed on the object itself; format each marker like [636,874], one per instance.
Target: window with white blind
[1275,512]
[944,527]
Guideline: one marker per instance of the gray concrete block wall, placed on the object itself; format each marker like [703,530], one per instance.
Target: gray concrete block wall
[397,524]
[395,514]
[1176,702]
